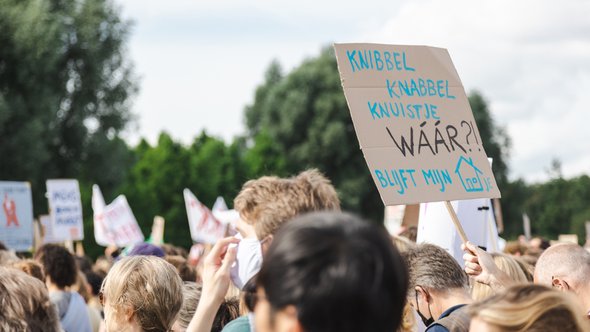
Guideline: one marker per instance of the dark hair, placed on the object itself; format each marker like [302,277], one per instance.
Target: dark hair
[433,267]
[58,264]
[84,263]
[228,311]
[249,294]
[95,281]
[341,273]
[3,246]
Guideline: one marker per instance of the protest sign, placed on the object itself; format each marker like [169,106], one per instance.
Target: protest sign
[47,234]
[203,225]
[65,209]
[157,235]
[16,217]
[414,123]
[102,235]
[121,223]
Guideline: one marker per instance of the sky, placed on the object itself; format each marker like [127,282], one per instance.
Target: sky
[200,61]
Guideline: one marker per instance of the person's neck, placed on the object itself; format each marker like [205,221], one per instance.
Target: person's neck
[448,299]
[51,287]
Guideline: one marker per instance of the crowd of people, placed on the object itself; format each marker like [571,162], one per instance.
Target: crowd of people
[299,264]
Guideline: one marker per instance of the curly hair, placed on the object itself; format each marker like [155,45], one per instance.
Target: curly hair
[268,202]
[58,264]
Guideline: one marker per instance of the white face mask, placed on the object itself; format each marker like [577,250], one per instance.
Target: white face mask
[248,261]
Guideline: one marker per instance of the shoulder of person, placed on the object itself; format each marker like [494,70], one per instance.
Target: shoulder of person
[239,324]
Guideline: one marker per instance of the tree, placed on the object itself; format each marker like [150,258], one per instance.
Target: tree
[65,88]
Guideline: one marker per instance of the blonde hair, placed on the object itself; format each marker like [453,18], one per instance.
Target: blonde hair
[532,308]
[506,264]
[149,286]
[270,201]
[25,303]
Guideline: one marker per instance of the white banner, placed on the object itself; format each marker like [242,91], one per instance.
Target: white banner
[65,209]
[203,225]
[102,235]
[16,215]
[121,223]
[477,218]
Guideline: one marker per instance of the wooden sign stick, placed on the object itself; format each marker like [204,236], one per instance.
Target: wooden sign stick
[456,221]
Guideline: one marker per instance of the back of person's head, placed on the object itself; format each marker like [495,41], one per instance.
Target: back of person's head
[25,303]
[146,249]
[505,263]
[192,294]
[269,202]
[84,263]
[31,268]
[539,243]
[531,308]
[564,260]
[432,267]
[95,281]
[186,272]
[228,311]
[338,272]
[171,250]
[515,248]
[147,285]
[59,265]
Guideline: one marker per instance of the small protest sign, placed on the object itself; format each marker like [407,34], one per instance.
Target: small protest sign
[414,123]
[16,217]
[65,209]
[121,223]
[203,225]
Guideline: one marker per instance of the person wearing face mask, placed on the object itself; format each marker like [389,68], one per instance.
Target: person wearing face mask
[265,204]
[438,289]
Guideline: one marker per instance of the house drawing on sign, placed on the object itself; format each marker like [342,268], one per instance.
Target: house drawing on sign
[469,175]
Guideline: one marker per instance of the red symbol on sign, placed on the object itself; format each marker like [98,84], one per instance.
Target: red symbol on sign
[10,211]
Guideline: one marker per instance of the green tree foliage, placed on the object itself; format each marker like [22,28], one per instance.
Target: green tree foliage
[208,167]
[496,142]
[65,88]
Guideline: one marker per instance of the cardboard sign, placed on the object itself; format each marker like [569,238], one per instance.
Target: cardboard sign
[65,209]
[203,225]
[157,235]
[16,215]
[414,123]
[121,223]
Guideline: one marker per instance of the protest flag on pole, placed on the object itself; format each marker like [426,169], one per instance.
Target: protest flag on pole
[204,227]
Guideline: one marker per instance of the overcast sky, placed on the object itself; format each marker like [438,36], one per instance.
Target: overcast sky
[200,62]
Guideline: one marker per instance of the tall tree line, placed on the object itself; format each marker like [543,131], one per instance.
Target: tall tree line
[66,87]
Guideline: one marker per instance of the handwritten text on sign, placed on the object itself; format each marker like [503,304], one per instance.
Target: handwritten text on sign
[414,123]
